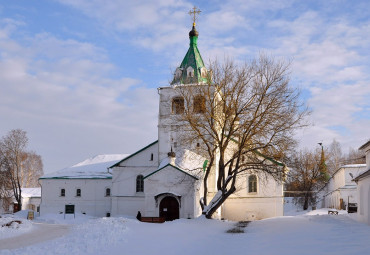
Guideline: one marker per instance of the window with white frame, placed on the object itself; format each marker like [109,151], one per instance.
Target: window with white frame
[252,183]
[140,183]
[107,192]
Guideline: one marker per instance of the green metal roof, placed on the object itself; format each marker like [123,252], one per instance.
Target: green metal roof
[175,167]
[192,59]
[75,178]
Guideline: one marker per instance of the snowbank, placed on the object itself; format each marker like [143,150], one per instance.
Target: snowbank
[315,232]
[15,228]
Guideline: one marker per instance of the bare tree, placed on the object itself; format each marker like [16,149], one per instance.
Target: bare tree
[335,156]
[244,118]
[18,167]
[306,176]
[32,169]
[354,157]
[6,196]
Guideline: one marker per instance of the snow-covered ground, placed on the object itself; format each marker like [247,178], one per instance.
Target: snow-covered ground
[315,232]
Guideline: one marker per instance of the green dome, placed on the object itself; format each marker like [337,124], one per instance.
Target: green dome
[192,69]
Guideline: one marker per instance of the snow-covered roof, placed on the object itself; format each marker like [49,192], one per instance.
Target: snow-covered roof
[188,162]
[353,165]
[31,192]
[91,168]
[363,175]
[348,186]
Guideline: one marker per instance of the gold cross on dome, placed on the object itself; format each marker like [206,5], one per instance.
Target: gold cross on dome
[193,13]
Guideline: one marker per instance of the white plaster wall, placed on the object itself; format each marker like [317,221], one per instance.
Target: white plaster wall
[266,202]
[338,187]
[143,158]
[170,180]
[266,186]
[124,180]
[29,202]
[367,154]
[128,205]
[167,124]
[125,199]
[363,193]
[92,200]
[252,208]
[124,175]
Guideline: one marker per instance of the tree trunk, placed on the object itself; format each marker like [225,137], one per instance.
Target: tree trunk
[305,205]
[214,205]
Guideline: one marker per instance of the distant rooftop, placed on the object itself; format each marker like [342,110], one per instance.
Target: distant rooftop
[354,165]
[31,192]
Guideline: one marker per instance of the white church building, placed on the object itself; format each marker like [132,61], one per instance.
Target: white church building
[156,179]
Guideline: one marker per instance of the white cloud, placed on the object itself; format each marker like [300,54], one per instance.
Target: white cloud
[63,88]
[68,83]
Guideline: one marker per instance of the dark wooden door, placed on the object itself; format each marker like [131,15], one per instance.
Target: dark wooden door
[169,208]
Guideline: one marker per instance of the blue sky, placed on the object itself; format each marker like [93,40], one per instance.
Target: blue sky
[80,76]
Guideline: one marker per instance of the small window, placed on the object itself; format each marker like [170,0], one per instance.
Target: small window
[78,192]
[107,192]
[178,105]
[140,183]
[107,214]
[199,104]
[178,73]
[151,157]
[198,145]
[190,71]
[252,184]
[203,72]
[62,192]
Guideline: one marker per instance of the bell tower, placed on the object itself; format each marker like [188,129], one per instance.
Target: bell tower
[191,72]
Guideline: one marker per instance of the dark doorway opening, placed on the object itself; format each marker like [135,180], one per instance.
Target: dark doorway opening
[169,208]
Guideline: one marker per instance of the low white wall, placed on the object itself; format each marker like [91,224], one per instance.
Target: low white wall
[92,200]
[128,206]
[252,208]
[363,193]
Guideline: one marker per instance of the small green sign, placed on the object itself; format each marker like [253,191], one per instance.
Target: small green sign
[69,209]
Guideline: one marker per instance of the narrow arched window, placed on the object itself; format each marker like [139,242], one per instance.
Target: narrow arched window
[252,183]
[178,105]
[107,192]
[151,157]
[190,72]
[199,104]
[140,183]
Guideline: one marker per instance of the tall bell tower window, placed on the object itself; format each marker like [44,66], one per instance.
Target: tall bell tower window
[178,105]
[199,104]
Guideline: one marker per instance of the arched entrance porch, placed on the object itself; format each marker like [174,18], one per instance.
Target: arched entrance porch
[169,208]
